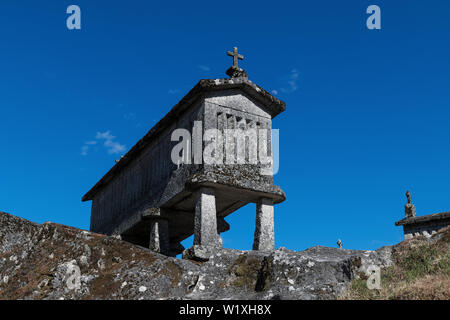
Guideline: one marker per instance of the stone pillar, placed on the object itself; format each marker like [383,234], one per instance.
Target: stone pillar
[264,231]
[159,232]
[205,221]
[159,236]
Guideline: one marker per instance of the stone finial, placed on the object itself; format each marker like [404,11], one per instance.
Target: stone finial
[339,243]
[408,196]
[410,209]
[234,71]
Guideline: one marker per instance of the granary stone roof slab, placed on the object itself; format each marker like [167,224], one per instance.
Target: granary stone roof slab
[271,103]
[421,219]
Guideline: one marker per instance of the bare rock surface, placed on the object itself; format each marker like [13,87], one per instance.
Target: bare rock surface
[52,261]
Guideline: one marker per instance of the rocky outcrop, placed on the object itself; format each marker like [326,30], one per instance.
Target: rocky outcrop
[52,261]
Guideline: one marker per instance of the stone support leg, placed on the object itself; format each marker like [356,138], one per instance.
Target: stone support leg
[264,231]
[159,236]
[205,221]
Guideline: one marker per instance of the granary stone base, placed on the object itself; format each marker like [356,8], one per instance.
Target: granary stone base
[264,231]
[199,253]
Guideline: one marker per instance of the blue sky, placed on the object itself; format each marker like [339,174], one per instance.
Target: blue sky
[367,110]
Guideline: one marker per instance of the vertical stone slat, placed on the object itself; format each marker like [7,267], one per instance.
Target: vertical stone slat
[163,160]
[241,125]
[152,170]
[221,125]
[269,138]
[253,144]
[121,195]
[230,145]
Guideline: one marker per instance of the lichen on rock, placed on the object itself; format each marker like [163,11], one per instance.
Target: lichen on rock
[52,261]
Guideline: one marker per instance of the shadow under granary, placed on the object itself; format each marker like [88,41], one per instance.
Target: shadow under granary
[152,200]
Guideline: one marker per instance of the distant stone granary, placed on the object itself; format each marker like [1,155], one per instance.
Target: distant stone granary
[158,194]
[424,225]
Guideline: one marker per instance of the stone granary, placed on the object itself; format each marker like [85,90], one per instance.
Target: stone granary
[424,225]
[162,191]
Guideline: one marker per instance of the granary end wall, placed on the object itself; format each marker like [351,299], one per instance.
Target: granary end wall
[141,184]
[232,109]
[427,228]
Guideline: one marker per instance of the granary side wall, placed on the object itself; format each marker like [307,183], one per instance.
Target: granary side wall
[142,183]
[427,228]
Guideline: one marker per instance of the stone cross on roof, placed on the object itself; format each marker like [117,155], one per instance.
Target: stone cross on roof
[408,196]
[234,71]
[410,209]
[235,56]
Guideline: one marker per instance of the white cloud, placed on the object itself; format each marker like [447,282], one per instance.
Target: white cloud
[105,135]
[129,116]
[204,68]
[112,146]
[274,92]
[84,150]
[292,82]
[85,147]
